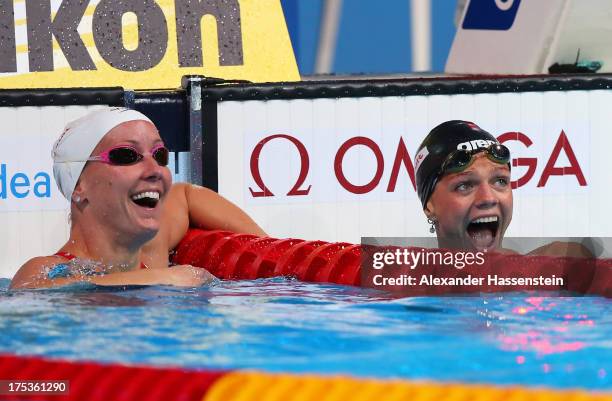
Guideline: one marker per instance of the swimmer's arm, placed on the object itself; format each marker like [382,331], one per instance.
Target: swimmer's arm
[179,276]
[209,210]
[32,276]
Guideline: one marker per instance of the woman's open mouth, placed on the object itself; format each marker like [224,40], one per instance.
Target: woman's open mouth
[483,231]
[148,199]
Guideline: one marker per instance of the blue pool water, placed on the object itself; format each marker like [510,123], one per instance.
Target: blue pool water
[283,325]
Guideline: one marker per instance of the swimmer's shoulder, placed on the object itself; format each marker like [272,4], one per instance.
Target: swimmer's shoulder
[33,269]
[184,191]
[175,220]
[506,251]
[178,192]
[562,248]
[181,193]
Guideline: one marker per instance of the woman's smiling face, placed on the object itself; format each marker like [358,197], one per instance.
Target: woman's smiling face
[472,208]
[128,198]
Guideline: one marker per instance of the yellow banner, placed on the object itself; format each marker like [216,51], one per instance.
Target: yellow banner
[142,44]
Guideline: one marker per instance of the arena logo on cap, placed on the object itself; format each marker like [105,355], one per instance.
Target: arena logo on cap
[100,42]
[475,144]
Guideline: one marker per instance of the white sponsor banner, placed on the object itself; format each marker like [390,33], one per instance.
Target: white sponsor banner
[26,167]
[339,169]
[33,213]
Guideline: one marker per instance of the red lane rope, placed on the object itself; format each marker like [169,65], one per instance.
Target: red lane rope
[237,256]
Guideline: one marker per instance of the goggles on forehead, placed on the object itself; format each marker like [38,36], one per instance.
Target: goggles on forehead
[127,155]
[461,159]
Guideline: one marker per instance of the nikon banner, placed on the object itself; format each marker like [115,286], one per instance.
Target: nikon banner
[141,44]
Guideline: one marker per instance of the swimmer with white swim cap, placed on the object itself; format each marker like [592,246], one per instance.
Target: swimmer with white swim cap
[126,215]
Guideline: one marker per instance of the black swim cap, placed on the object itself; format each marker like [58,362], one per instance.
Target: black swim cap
[435,148]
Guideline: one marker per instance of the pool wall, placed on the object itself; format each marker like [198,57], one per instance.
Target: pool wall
[326,160]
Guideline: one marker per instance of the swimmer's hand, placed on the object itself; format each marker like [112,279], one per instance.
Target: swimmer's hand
[187,276]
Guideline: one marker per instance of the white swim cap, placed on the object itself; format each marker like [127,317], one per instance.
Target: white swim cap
[79,139]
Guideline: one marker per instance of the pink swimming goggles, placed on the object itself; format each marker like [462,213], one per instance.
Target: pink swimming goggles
[126,156]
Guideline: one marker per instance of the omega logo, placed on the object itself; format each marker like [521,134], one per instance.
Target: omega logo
[403,161]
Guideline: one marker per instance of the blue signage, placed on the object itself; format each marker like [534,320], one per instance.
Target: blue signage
[497,15]
[19,185]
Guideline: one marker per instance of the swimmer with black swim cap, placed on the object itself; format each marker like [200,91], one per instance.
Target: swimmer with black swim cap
[463,181]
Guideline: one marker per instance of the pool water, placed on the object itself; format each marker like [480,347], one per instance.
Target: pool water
[284,325]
